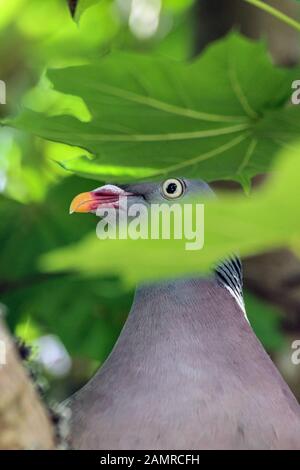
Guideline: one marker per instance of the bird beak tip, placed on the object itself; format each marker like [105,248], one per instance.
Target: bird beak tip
[83,202]
[90,201]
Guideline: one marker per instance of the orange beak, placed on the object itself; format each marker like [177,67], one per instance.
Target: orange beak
[84,202]
[105,196]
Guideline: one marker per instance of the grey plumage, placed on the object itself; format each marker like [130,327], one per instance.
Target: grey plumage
[187,372]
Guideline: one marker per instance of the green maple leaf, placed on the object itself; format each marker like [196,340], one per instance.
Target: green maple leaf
[223,116]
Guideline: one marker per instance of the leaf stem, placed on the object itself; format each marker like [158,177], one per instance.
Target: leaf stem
[276,13]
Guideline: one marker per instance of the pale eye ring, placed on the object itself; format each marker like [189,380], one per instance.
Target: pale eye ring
[173,188]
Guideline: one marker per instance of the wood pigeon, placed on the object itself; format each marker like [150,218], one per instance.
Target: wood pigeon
[187,371]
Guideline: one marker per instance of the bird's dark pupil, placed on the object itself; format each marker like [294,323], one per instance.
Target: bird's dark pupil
[171,188]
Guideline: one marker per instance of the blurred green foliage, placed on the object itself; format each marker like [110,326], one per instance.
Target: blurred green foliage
[86,307]
[267,324]
[85,312]
[66,304]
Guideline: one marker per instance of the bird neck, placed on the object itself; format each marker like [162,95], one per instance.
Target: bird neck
[177,322]
[191,304]
[227,275]
[169,317]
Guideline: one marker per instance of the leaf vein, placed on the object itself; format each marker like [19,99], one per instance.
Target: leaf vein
[166,107]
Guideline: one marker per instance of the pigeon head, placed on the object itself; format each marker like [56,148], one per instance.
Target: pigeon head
[168,191]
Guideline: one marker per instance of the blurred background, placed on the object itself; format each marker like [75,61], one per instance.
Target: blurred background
[71,321]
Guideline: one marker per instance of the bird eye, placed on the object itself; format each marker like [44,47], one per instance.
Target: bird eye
[172,188]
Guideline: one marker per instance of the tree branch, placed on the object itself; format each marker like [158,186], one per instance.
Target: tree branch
[280,15]
[24,424]
[72,5]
